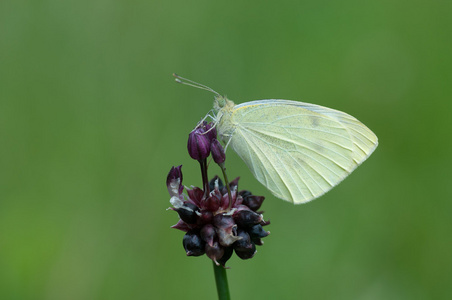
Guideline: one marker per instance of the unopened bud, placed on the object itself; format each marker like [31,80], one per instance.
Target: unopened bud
[198,144]
[217,152]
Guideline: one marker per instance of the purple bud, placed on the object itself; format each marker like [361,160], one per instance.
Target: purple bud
[174,181]
[198,144]
[217,152]
[193,244]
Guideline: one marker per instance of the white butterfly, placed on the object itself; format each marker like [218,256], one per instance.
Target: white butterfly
[299,151]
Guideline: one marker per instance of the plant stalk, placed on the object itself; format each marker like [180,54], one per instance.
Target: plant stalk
[222,282]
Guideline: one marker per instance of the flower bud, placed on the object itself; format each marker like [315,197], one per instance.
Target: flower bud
[217,151]
[198,144]
[193,244]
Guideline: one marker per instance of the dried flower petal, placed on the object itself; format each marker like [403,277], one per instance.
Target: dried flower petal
[174,181]
[226,229]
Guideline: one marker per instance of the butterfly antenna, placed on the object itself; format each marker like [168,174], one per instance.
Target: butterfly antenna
[195,84]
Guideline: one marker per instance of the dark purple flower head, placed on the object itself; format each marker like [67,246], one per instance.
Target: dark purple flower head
[217,219]
[210,222]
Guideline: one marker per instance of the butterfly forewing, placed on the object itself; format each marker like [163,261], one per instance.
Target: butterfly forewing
[298,151]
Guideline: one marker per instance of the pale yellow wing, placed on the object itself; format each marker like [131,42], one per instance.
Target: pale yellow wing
[299,151]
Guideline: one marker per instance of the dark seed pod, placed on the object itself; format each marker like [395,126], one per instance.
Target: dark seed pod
[253,202]
[226,256]
[247,218]
[193,244]
[187,212]
[257,231]
[245,243]
[258,241]
[246,254]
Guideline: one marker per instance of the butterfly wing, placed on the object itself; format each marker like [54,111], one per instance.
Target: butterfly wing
[298,151]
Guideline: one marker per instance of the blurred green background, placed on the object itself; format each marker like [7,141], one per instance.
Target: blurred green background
[91,121]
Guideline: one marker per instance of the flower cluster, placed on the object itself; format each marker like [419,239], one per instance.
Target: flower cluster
[217,219]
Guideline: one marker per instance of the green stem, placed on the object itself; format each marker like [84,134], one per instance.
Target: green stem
[223,169]
[205,179]
[222,282]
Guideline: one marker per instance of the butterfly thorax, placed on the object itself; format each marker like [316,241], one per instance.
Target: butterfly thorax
[224,108]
